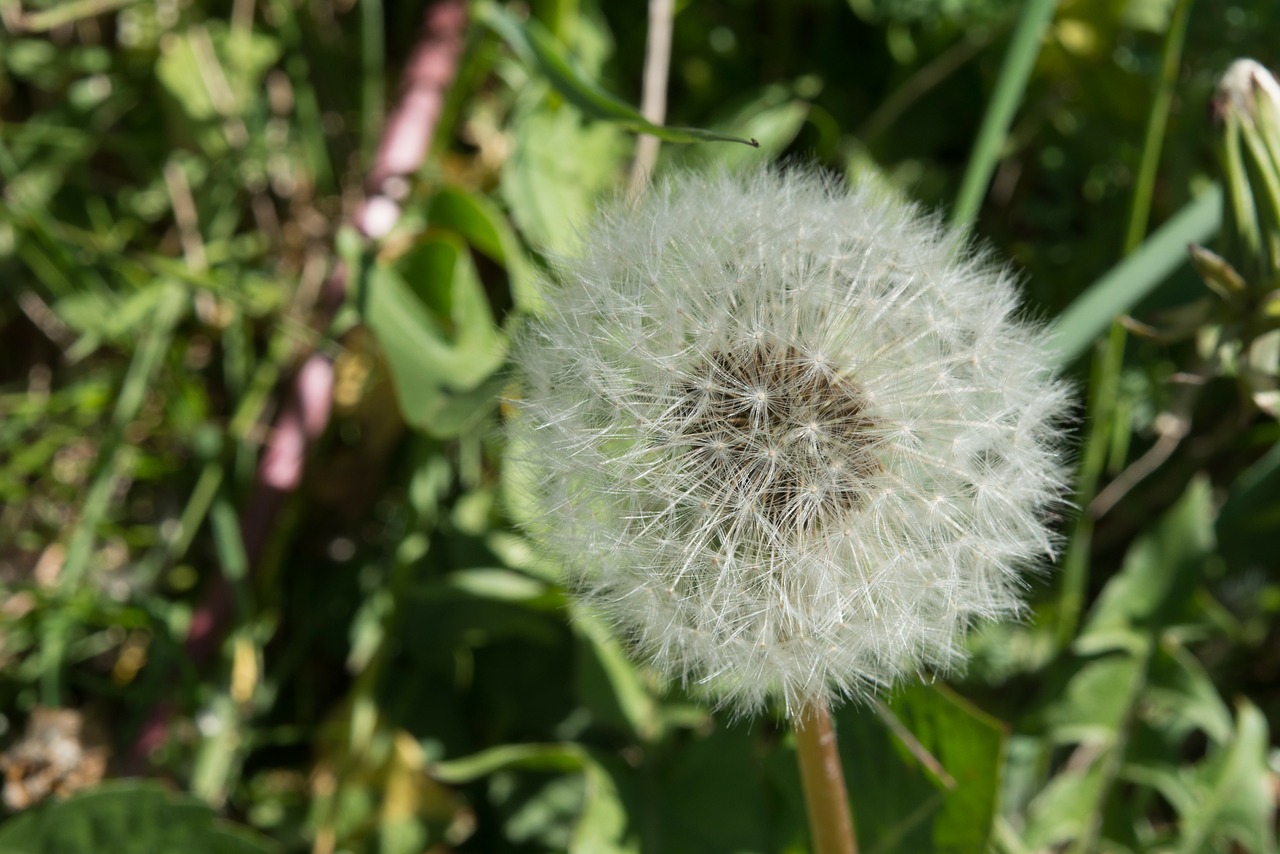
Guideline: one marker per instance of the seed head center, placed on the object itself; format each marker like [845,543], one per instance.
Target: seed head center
[771,429]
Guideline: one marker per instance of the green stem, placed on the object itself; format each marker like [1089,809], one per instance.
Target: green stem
[1105,381]
[825,796]
[1157,125]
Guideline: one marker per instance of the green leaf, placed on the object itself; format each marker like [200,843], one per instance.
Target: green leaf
[609,682]
[774,116]
[1093,706]
[601,826]
[899,804]
[1180,698]
[969,745]
[1062,808]
[425,358]
[496,583]
[1218,274]
[482,225]
[62,14]
[1228,798]
[989,147]
[712,796]
[540,757]
[1251,514]
[1129,281]
[558,168]
[205,59]
[535,45]
[1159,575]
[127,817]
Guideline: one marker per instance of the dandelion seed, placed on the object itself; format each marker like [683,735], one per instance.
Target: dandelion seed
[790,438]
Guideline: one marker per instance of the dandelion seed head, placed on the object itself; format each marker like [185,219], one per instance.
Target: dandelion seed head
[789,437]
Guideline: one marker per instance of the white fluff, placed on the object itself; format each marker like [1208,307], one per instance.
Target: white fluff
[790,438]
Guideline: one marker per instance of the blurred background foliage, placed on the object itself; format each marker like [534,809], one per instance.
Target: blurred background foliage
[377,661]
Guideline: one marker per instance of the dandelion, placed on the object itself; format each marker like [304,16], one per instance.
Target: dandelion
[791,439]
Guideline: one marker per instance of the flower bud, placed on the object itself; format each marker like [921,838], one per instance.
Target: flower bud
[1246,108]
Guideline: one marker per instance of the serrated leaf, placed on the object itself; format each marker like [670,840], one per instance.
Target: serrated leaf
[1229,795]
[128,817]
[1094,703]
[1062,808]
[558,168]
[1180,697]
[1159,575]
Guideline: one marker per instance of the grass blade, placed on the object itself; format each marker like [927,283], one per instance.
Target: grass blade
[1127,283]
[1014,74]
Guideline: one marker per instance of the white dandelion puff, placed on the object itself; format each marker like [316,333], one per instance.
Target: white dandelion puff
[790,438]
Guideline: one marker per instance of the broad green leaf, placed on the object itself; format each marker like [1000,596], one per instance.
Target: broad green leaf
[456,413]
[482,225]
[535,45]
[429,353]
[711,795]
[127,817]
[969,745]
[901,805]
[1180,698]
[1129,281]
[604,825]
[1062,809]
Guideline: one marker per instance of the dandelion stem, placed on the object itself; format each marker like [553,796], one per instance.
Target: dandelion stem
[826,799]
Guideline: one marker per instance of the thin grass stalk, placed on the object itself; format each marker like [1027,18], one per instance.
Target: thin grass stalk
[373,63]
[653,104]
